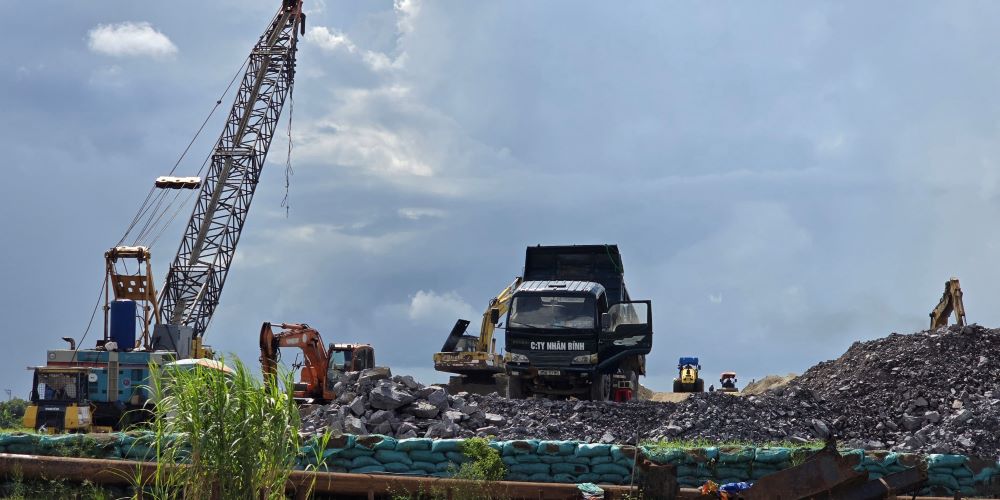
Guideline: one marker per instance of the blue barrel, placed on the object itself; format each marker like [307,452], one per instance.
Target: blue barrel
[123,322]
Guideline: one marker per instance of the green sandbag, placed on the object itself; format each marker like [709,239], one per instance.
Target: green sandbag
[414,444]
[961,472]
[727,471]
[772,455]
[424,466]
[368,469]
[60,440]
[18,438]
[565,468]
[339,462]
[601,460]
[446,445]
[22,449]
[358,462]
[516,476]
[626,462]
[612,478]
[398,468]
[388,456]
[890,459]
[458,458]
[520,447]
[588,478]
[527,459]
[564,448]
[375,442]
[509,460]
[693,471]
[563,478]
[427,456]
[352,453]
[668,456]
[731,455]
[689,482]
[549,459]
[442,474]
[966,481]
[985,475]
[540,477]
[446,467]
[622,453]
[530,468]
[578,460]
[968,491]
[945,461]
[610,469]
[945,480]
[593,450]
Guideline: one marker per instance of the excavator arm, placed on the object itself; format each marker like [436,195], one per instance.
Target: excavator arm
[951,301]
[303,337]
[497,309]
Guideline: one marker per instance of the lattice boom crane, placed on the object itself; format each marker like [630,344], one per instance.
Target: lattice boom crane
[198,273]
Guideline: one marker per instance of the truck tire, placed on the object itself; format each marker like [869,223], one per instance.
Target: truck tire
[699,385]
[678,386]
[600,387]
[515,388]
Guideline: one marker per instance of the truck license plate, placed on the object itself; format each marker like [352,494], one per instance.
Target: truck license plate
[549,372]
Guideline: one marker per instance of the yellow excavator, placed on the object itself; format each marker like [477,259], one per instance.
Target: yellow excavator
[475,359]
[951,301]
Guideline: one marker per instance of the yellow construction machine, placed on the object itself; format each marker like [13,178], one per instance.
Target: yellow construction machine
[951,301]
[475,359]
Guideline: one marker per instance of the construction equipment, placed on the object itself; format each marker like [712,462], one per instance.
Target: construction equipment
[687,378]
[321,366]
[119,365]
[572,325]
[951,301]
[59,401]
[727,382]
[475,359]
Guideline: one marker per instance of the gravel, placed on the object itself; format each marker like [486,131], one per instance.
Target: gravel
[930,392]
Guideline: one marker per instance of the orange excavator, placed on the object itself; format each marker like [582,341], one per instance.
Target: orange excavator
[321,364]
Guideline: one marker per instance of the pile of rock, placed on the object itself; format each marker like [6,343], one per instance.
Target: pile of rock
[375,402]
[934,391]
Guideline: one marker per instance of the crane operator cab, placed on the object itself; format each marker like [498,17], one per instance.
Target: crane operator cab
[59,401]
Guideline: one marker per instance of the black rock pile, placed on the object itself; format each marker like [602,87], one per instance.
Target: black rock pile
[932,391]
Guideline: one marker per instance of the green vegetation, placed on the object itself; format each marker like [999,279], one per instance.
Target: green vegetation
[238,437]
[484,468]
[11,413]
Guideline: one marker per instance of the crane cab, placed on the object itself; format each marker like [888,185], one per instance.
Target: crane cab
[59,401]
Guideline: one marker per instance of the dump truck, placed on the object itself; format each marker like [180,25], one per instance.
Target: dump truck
[572,327]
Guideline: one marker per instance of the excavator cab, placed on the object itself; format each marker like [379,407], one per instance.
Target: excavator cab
[59,400]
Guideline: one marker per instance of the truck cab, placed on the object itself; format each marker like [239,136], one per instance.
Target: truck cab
[59,400]
[575,337]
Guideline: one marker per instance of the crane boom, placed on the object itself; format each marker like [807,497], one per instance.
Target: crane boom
[198,273]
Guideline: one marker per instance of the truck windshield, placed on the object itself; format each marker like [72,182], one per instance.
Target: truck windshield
[56,387]
[555,311]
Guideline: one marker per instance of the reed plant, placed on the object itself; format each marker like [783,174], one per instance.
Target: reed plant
[235,436]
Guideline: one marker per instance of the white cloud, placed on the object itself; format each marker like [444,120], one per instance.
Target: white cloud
[336,41]
[130,39]
[434,307]
[420,213]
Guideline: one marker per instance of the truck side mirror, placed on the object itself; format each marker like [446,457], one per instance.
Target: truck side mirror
[494,316]
[605,321]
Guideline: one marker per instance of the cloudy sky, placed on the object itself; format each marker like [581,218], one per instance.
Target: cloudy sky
[782,178]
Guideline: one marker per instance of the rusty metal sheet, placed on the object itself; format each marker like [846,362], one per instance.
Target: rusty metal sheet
[822,472]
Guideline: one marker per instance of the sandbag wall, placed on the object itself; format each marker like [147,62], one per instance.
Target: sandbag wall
[947,474]
[526,460]
[542,461]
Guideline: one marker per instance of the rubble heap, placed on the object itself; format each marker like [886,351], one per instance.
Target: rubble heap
[932,391]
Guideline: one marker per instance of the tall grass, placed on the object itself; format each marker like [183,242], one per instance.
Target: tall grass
[238,437]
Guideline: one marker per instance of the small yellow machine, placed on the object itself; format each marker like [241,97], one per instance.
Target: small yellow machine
[59,401]
[727,382]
